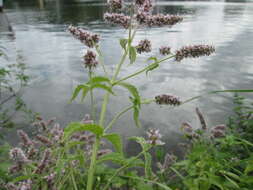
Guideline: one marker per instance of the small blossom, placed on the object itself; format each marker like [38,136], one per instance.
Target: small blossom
[87,38]
[168,161]
[115,4]
[90,60]
[194,51]
[201,119]
[164,50]
[144,46]
[141,17]
[154,137]
[27,185]
[50,179]
[57,132]
[145,5]
[103,152]
[167,100]
[218,133]
[187,128]
[17,154]
[44,140]
[44,162]
[87,119]
[25,139]
[117,18]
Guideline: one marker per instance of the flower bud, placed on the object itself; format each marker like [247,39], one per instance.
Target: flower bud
[90,60]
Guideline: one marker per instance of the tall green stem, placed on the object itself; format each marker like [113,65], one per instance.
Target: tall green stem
[93,111]
[93,164]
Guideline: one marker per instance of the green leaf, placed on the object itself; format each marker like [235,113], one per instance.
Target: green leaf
[78,89]
[123,43]
[99,79]
[152,67]
[102,86]
[84,93]
[133,90]
[152,59]
[132,54]
[149,181]
[116,140]
[78,127]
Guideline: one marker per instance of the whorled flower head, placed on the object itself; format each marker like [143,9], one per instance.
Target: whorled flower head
[144,46]
[57,132]
[90,60]
[194,51]
[87,119]
[218,131]
[26,141]
[117,18]
[164,50]
[44,162]
[84,36]
[144,5]
[186,128]
[46,141]
[141,17]
[115,4]
[17,155]
[154,137]
[167,100]
[163,20]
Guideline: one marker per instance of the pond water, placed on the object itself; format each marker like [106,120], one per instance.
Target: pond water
[54,59]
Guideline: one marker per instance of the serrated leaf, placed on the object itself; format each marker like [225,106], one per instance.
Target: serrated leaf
[77,90]
[79,127]
[132,54]
[116,140]
[123,43]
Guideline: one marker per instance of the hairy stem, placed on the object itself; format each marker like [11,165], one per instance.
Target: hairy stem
[93,164]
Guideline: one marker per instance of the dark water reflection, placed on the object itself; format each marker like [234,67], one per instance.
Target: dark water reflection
[54,59]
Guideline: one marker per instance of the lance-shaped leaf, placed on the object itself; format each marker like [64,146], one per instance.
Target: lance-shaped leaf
[116,140]
[123,43]
[78,89]
[99,79]
[79,127]
[132,54]
[133,90]
[102,86]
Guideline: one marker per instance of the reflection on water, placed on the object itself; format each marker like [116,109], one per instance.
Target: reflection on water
[54,59]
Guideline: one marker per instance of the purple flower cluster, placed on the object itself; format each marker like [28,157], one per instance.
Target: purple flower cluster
[115,4]
[44,162]
[84,36]
[157,20]
[117,18]
[167,100]
[194,51]
[164,50]
[144,46]
[90,60]
[144,5]
[154,137]
[218,131]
